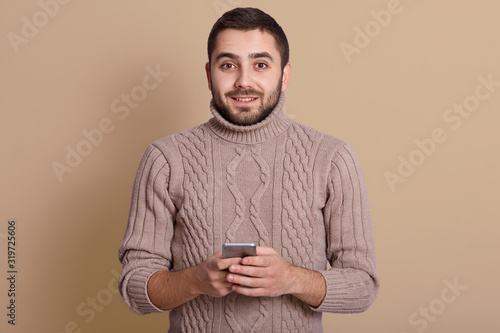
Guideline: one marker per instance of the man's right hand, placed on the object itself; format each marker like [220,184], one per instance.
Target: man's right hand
[211,275]
[168,290]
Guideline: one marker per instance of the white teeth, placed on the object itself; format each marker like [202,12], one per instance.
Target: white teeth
[245,99]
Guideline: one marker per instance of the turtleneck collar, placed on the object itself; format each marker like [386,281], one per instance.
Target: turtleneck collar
[274,124]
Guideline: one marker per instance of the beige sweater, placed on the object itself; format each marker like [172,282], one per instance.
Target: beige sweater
[276,183]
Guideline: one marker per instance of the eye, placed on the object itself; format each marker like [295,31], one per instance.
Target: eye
[227,66]
[261,65]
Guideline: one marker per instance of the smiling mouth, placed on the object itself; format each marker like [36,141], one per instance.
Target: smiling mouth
[244,99]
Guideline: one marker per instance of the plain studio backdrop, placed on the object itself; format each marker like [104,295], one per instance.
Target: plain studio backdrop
[412,86]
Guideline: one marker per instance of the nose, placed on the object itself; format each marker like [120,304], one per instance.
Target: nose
[244,79]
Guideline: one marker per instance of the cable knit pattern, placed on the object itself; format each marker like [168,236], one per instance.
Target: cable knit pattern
[238,196]
[292,320]
[196,209]
[298,235]
[232,233]
[197,203]
[276,183]
[256,198]
[241,325]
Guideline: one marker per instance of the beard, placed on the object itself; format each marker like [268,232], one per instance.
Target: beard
[244,116]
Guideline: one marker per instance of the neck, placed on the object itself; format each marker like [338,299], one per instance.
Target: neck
[274,124]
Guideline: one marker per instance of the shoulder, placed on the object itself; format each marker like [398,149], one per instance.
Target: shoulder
[325,142]
[186,143]
[171,142]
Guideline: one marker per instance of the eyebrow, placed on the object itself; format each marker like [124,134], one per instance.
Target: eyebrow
[233,56]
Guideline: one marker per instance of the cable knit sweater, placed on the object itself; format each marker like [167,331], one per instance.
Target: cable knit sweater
[276,183]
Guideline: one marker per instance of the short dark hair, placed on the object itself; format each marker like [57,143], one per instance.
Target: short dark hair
[246,19]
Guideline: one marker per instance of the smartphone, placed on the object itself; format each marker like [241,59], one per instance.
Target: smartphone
[239,250]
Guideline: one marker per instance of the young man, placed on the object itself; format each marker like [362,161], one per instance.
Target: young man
[250,174]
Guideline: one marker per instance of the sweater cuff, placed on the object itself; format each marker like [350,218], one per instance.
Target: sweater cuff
[137,289]
[346,291]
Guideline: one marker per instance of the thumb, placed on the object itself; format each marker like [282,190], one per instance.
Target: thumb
[265,251]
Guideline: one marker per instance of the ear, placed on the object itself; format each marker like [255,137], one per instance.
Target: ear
[287,72]
[209,79]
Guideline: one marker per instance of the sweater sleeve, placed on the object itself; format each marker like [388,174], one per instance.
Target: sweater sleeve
[352,282]
[145,248]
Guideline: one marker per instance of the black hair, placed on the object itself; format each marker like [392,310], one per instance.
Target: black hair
[246,19]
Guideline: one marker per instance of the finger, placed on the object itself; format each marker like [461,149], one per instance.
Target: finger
[251,292]
[252,271]
[253,261]
[265,251]
[225,285]
[222,291]
[246,281]
[218,255]
[223,264]
[259,261]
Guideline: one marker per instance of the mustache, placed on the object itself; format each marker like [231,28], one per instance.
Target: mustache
[243,92]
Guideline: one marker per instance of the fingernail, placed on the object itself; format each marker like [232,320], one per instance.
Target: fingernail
[230,278]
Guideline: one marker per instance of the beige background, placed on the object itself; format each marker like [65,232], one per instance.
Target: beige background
[438,227]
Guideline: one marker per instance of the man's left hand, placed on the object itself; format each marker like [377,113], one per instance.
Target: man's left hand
[268,274]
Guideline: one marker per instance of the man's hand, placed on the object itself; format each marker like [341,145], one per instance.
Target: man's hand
[168,290]
[211,275]
[268,274]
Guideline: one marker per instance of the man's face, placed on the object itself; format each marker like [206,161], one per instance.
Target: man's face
[245,75]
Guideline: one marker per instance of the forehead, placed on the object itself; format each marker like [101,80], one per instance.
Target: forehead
[243,43]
